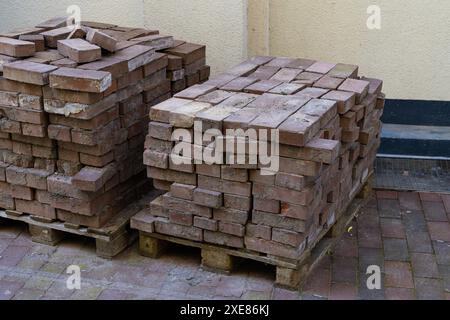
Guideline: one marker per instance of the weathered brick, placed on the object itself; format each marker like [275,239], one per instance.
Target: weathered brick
[92,179]
[231,187]
[237,202]
[288,237]
[223,239]
[16,48]
[35,208]
[189,52]
[190,233]
[258,231]
[79,50]
[321,67]
[286,195]
[28,72]
[232,228]
[205,223]
[182,191]
[273,248]
[181,205]
[180,217]
[156,159]
[231,215]
[232,174]
[101,39]
[359,87]
[208,198]
[37,39]
[82,80]
[159,130]
[278,221]
[21,192]
[272,206]
[136,56]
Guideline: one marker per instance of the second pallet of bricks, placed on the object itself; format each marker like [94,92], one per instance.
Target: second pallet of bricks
[328,121]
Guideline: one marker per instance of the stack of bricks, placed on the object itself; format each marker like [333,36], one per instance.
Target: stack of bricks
[328,125]
[187,65]
[74,105]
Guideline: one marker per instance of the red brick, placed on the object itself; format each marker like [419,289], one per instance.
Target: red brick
[156,159]
[231,215]
[258,231]
[321,67]
[96,161]
[344,71]
[181,205]
[92,179]
[28,72]
[44,152]
[237,202]
[270,247]
[82,80]
[181,218]
[37,39]
[160,130]
[288,237]
[79,50]
[37,179]
[232,174]
[327,82]
[360,87]
[21,192]
[36,208]
[52,36]
[189,52]
[182,191]
[185,232]
[136,56]
[272,206]
[223,239]
[16,48]
[345,100]
[205,223]
[101,39]
[232,228]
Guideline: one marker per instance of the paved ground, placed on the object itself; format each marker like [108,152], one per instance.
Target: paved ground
[406,234]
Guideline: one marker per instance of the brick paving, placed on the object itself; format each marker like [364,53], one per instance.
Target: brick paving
[407,235]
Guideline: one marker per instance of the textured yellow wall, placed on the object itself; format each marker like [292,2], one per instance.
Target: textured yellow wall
[26,13]
[258,27]
[220,24]
[411,52]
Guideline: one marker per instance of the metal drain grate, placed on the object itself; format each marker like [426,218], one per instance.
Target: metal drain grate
[412,174]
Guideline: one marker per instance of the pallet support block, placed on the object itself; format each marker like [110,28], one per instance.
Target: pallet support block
[109,249]
[288,278]
[217,260]
[45,235]
[151,247]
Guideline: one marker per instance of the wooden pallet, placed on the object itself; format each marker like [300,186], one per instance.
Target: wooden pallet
[110,240]
[290,274]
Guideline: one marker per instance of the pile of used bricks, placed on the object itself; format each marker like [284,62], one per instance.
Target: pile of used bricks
[328,127]
[74,105]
